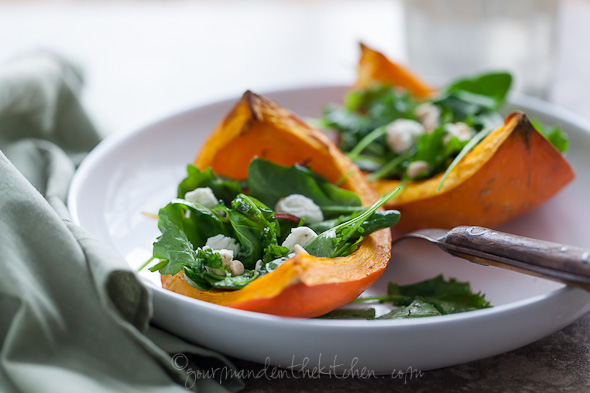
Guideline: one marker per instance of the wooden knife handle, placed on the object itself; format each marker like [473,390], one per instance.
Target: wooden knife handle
[550,260]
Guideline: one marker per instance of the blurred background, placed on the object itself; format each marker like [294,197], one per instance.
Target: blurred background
[145,59]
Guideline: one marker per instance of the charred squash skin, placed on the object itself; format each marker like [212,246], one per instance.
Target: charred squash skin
[509,173]
[304,286]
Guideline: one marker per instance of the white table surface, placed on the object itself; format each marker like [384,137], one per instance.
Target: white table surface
[146,59]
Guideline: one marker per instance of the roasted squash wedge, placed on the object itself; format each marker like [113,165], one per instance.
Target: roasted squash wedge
[303,286]
[510,172]
[375,67]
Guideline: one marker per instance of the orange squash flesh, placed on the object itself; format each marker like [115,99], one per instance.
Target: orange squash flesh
[510,172]
[304,286]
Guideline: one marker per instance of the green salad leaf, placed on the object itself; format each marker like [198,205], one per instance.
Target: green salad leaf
[344,238]
[487,91]
[350,313]
[364,118]
[417,309]
[555,135]
[269,182]
[428,298]
[449,297]
[182,234]
[256,229]
[379,220]
[252,234]
[225,189]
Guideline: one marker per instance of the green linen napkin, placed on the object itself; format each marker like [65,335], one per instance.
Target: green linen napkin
[73,317]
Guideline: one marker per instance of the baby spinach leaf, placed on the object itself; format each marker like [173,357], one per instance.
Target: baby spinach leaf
[493,86]
[346,121]
[475,96]
[224,189]
[270,182]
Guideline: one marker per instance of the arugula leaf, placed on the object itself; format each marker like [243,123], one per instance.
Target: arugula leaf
[269,182]
[224,189]
[344,238]
[430,297]
[449,297]
[379,220]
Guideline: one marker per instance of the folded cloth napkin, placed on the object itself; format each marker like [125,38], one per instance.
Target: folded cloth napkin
[73,317]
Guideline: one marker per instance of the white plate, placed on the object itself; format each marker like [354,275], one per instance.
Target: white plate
[139,172]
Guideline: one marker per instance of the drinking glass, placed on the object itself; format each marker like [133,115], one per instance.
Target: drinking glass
[447,39]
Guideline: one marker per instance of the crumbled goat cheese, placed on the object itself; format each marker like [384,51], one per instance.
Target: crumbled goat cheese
[416,167]
[202,196]
[460,130]
[429,115]
[258,265]
[221,242]
[300,206]
[403,134]
[301,236]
